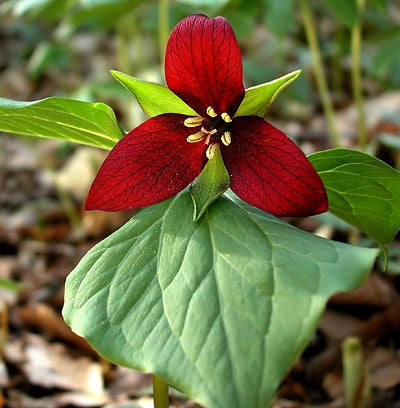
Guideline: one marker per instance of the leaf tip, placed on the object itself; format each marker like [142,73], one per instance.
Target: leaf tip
[116,74]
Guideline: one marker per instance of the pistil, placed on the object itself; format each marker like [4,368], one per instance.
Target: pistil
[211,128]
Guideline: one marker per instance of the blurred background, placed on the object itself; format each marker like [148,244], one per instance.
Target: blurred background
[67,48]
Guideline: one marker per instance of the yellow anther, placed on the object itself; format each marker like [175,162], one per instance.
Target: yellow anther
[226,138]
[225,117]
[196,137]
[212,149]
[193,121]
[211,112]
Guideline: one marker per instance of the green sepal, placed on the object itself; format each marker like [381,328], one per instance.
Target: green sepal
[88,123]
[362,190]
[154,99]
[258,99]
[210,184]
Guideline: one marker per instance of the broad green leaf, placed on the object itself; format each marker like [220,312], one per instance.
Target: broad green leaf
[211,183]
[278,16]
[259,98]
[103,13]
[153,98]
[386,58]
[219,308]
[362,190]
[344,10]
[87,123]
[45,9]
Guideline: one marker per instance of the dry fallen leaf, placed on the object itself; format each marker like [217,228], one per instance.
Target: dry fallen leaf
[43,317]
[336,326]
[50,365]
[18,399]
[78,173]
[376,291]
[384,366]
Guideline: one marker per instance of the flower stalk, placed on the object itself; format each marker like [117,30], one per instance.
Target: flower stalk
[309,26]
[160,393]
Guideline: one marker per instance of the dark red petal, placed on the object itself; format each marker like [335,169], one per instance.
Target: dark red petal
[151,163]
[203,64]
[270,172]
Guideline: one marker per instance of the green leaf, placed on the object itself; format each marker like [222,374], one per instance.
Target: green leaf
[49,10]
[386,56]
[103,13]
[153,98]
[87,123]
[259,98]
[219,308]
[344,10]
[362,190]
[278,16]
[211,183]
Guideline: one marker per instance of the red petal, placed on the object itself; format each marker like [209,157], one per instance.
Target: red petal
[203,64]
[270,172]
[151,163]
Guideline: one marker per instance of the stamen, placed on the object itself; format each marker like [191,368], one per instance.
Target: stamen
[212,149]
[193,121]
[225,117]
[196,137]
[226,138]
[211,112]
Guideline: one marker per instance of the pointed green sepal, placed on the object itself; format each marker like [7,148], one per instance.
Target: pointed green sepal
[258,99]
[210,184]
[154,99]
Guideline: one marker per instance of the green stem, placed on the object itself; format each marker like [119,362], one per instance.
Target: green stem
[163,26]
[356,385]
[122,48]
[356,77]
[337,71]
[160,393]
[309,26]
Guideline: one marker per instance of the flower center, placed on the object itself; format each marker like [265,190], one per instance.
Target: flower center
[214,128]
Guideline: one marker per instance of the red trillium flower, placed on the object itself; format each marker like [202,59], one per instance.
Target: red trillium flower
[162,156]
